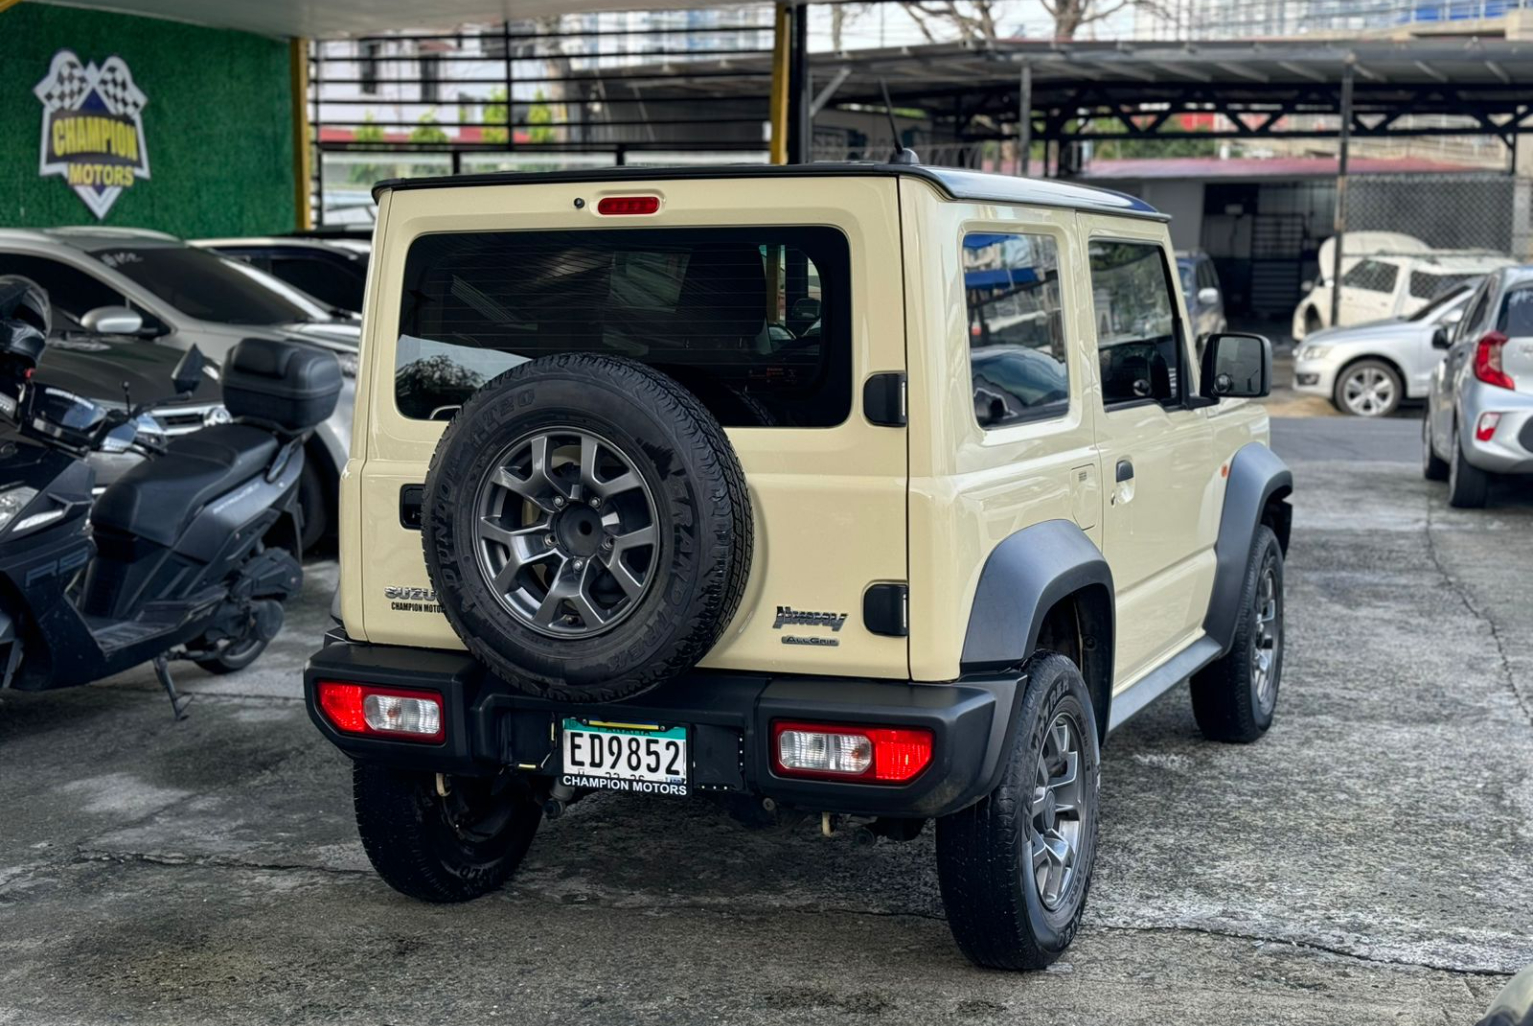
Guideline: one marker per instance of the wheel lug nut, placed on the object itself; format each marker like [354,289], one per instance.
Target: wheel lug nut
[550,541]
[595,502]
[559,501]
[606,543]
[580,564]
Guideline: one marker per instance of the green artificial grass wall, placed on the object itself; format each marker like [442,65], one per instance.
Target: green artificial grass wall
[218,127]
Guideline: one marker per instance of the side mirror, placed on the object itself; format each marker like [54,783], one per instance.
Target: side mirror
[1236,366]
[1452,317]
[1306,287]
[113,320]
[188,373]
[1208,295]
[806,309]
[1440,339]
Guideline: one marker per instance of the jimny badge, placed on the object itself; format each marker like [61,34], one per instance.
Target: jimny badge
[93,132]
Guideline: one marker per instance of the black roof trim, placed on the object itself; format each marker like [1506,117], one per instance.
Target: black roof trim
[956,184]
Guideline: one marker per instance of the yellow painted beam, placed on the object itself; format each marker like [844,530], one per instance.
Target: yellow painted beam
[782,26]
[303,152]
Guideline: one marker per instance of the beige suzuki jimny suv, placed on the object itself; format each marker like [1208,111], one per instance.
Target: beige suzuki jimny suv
[874,493]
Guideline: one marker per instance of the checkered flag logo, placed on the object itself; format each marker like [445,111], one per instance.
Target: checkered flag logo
[115,84]
[66,84]
[95,145]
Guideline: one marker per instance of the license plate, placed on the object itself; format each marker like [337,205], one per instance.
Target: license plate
[638,757]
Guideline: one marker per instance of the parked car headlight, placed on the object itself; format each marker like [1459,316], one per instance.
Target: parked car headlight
[1313,352]
[12,502]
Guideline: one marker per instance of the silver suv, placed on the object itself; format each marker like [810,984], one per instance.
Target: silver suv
[1479,419]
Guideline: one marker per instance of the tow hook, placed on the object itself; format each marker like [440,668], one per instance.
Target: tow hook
[559,796]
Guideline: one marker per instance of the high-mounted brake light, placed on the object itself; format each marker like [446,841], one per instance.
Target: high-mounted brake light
[382,712]
[627,206]
[831,751]
[1487,360]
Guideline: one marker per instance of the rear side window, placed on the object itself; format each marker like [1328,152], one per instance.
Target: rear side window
[1425,285]
[1016,331]
[1137,337]
[70,290]
[1371,276]
[755,322]
[1516,319]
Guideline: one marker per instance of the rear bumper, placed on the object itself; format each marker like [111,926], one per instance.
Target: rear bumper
[1510,449]
[488,726]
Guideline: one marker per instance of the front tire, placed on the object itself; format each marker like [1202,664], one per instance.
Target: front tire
[443,849]
[1234,697]
[1468,485]
[1015,867]
[1433,466]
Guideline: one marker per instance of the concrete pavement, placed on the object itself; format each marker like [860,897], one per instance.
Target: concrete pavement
[1370,860]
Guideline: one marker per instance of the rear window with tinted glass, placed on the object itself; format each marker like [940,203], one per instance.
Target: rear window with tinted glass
[1517,313]
[755,322]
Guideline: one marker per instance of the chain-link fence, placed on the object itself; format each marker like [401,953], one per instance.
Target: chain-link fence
[1467,211]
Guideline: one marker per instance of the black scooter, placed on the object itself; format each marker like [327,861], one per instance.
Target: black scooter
[189,555]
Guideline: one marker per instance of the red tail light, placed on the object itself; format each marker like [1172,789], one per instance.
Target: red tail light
[832,751]
[627,206]
[1487,361]
[382,712]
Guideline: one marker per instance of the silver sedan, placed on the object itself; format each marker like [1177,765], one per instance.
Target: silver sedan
[1367,370]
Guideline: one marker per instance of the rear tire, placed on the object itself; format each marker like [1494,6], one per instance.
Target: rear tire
[1234,697]
[440,849]
[1433,466]
[313,500]
[1468,485]
[997,860]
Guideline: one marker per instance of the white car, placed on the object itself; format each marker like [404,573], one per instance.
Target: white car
[1368,369]
[1385,275]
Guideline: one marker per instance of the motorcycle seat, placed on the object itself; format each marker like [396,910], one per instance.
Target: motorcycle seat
[158,497]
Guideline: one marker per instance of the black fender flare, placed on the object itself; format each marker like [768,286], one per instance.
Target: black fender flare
[1257,476]
[1023,578]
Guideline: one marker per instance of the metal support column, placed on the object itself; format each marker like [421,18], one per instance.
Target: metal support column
[800,130]
[303,166]
[1340,233]
[1025,121]
[782,17]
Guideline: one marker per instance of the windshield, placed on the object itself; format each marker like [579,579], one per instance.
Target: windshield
[210,288]
[1438,306]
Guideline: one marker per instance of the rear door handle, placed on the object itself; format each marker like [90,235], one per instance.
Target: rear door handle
[1125,471]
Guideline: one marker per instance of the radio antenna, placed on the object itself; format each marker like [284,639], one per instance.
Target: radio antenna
[902,153]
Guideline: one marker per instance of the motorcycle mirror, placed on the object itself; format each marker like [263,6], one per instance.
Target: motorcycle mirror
[188,373]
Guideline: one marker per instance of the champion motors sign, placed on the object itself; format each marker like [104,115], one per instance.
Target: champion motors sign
[93,131]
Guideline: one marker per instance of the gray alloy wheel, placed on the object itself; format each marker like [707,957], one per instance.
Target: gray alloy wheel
[566,532]
[1266,636]
[1058,811]
[1368,389]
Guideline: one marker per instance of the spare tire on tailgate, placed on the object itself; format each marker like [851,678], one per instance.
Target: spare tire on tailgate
[587,527]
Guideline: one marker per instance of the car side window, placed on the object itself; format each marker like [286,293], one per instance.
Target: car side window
[1371,276]
[1138,337]
[69,289]
[1017,354]
[1476,314]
